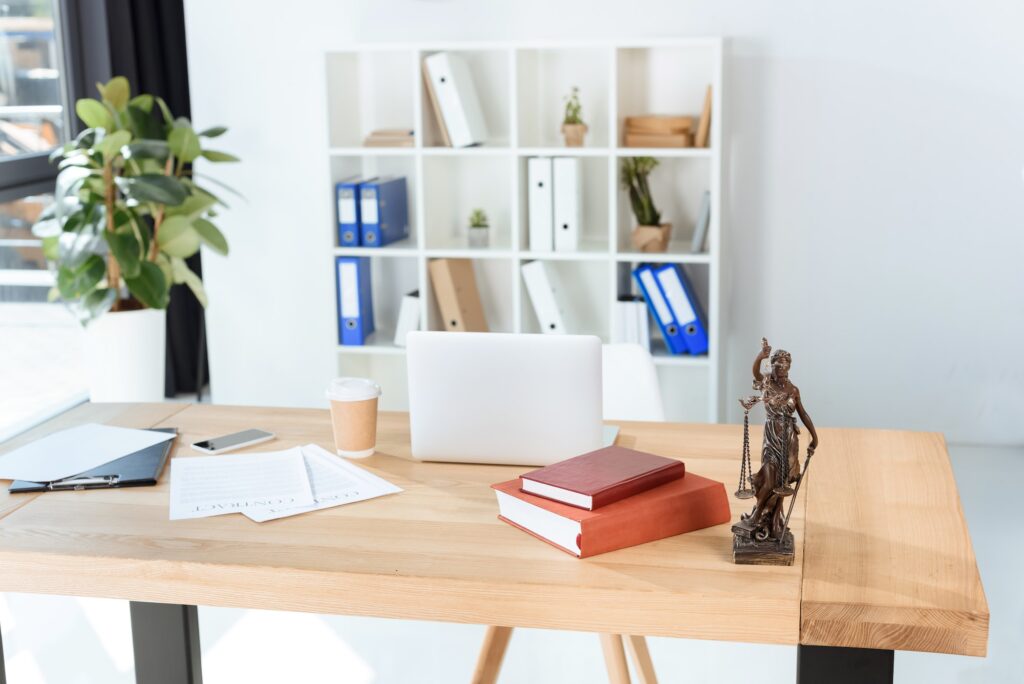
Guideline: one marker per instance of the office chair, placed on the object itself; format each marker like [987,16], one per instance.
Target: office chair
[629,392]
[630,384]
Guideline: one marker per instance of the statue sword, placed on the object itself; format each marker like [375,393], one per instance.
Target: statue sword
[796,491]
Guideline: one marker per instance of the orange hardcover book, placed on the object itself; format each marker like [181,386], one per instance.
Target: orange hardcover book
[684,505]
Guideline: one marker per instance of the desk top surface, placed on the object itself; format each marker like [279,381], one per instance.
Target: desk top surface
[884,559]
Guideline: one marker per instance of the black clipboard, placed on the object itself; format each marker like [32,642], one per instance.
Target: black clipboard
[134,470]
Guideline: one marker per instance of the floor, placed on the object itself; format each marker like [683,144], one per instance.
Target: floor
[93,641]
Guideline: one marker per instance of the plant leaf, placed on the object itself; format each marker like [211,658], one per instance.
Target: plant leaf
[184,143]
[183,274]
[148,149]
[143,124]
[153,187]
[76,282]
[143,102]
[213,132]
[168,119]
[126,250]
[111,144]
[97,302]
[198,202]
[150,287]
[177,237]
[116,92]
[164,263]
[215,156]
[94,114]
[211,235]
[217,182]
[50,247]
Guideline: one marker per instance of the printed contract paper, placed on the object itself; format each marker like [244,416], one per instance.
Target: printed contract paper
[202,486]
[335,482]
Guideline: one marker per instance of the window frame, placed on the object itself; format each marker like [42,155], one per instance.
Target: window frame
[84,54]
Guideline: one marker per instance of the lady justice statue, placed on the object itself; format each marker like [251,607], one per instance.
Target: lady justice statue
[762,537]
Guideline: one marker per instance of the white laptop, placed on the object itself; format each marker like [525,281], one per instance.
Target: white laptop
[504,398]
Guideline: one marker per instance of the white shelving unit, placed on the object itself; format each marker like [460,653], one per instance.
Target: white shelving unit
[521,87]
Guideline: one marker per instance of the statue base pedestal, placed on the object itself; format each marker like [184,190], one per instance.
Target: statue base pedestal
[748,551]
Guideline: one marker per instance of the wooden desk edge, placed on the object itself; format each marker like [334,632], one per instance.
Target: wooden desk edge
[345,593]
[918,630]
[900,628]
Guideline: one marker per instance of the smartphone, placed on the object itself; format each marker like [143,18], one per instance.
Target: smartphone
[237,440]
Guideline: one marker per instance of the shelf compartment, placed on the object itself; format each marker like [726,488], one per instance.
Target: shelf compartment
[545,77]
[347,166]
[644,74]
[699,277]
[453,187]
[677,186]
[494,279]
[594,203]
[390,280]
[490,71]
[358,105]
[583,293]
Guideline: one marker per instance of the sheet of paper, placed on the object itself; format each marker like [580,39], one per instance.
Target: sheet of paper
[75,450]
[335,482]
[202,486]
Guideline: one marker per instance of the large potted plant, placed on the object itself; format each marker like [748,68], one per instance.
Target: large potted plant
[127,212]
[650,234]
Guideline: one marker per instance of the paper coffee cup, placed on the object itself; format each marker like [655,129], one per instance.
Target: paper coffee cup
[354,416]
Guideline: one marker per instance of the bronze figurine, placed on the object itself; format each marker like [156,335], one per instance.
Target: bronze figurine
[762,537]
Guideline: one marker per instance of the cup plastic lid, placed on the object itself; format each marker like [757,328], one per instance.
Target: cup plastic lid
[353,389]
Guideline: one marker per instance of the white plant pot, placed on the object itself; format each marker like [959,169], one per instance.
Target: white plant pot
[125,354]
[479,237]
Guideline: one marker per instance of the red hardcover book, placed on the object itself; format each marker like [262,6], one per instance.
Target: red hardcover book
[602,477]
[683,505]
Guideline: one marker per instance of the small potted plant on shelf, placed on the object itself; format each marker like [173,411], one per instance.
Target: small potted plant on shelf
[479,229]
[573,127]
[650,235]
[127,212]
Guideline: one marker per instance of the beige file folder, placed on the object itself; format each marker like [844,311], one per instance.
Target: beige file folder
[457,297]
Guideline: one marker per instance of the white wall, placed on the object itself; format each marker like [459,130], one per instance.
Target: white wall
[875,210]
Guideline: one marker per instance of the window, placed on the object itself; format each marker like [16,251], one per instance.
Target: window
[40,342]
[32,103]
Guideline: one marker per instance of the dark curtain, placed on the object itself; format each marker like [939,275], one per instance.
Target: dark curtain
[147,46]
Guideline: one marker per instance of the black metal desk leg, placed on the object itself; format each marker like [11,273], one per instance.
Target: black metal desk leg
[3,670]
[837,665]
[165,638]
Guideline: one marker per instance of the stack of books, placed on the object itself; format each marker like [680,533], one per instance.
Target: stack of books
[659,131]
[390,137]
[610,499]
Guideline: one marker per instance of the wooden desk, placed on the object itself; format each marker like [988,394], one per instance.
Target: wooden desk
[883,561]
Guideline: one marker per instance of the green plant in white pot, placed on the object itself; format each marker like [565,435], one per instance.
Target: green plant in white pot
[127,212]
[479,228]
